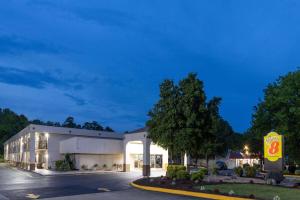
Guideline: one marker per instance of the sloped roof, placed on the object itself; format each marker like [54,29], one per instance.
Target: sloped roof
[144,129]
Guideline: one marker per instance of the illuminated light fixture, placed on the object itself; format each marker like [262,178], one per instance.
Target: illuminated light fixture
[47,135]
[46,155]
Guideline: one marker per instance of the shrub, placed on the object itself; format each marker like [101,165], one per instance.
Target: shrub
[197,176]
[104,166]
[204,171]
[182,175]
[70,161]
[297,172]
[238,171]
[250,172]
[286,172]
[58,164]
[84,167]
[95,165]
[1,158]
[172,169]
[246,165]
[62,165]
[292,169]
[256,166]
[65,166]
[214,171]
[276,176]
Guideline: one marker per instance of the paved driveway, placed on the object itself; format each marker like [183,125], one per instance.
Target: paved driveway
[16,184]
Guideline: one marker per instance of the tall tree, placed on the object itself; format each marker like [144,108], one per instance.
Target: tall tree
[108,129]
[164,122]
[182,121]
[70,123]
[93,126]
[192,108]
[279,111]
[10,124]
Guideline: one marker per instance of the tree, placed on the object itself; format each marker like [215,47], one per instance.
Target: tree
[192,108]
[10,124]
[279,111]
[182,121]
[69,122]
[92,126]
[164,122]
[108,129]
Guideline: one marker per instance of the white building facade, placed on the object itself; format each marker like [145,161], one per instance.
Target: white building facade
[39,147]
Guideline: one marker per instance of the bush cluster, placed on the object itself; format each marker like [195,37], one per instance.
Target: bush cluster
[65,165]
[62,165]
[173,169]
[250,172]
[238,171]
[182,175]
[199,175]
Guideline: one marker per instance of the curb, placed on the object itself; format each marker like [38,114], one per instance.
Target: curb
[187,193]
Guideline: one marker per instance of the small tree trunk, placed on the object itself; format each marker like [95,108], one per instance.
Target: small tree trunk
[206,158]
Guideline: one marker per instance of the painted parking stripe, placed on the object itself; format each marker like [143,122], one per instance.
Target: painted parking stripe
[103,189]
[33,196]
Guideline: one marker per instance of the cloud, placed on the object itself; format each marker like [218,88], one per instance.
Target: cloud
[34,79]
[13,44]
[79,101]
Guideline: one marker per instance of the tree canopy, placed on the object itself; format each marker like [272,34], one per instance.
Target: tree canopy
[183,121]
[11,123]
[279,111]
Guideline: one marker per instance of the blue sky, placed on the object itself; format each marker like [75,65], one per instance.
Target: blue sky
[103,60]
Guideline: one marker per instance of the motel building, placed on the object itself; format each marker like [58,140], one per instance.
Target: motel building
[39,147]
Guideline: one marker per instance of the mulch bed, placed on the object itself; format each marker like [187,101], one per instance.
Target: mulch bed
[187,185]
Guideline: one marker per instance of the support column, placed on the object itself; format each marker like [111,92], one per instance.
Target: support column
[126,165]
[187,161]
[146,157]
[32,152]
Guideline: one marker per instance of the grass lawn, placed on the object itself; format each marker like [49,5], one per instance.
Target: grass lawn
[259,191]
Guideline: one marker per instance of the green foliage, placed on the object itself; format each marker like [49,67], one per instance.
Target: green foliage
[204,171]
[92,126]
[297,172]
[1,158]
[65,165]
[182,175]
[197,176]
[279,111]
[10,124]
[246,165]
[173,169]
[70,161]
[250,171]
[62,165]
[183,119]
[238,171]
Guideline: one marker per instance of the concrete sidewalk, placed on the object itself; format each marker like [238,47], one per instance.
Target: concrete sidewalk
[130,194]
[45,172]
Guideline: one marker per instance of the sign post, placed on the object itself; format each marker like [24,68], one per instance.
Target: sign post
[273,152]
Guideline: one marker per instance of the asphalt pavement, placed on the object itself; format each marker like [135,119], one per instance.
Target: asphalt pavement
[16,184]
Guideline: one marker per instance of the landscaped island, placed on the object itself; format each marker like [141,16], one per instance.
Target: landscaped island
[210,182]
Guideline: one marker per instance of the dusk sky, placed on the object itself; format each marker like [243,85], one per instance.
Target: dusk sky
[104,60]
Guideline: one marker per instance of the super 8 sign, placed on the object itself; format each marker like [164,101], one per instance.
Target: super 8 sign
[273,146]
